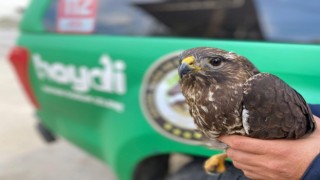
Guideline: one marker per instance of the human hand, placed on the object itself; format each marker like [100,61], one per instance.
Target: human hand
[273,159]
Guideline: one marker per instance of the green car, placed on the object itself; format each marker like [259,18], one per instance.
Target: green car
[103,75]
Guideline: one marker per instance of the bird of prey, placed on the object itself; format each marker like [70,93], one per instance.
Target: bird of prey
[227,95]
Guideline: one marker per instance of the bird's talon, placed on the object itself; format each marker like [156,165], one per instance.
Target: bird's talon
[215,164]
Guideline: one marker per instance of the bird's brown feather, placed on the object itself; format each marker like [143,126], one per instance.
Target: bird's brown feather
[275,109]
[217,98]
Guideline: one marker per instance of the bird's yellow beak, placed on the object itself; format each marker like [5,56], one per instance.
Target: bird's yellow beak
[187,65]
[188,60]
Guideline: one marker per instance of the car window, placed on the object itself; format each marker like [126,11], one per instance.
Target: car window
[290,20]
[162,18]
[283,20]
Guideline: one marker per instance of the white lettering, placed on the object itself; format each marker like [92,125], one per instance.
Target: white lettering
[106,83]
[81,82]
[77,7]
[58,73]
[85,98]
[120,77]
[109,78]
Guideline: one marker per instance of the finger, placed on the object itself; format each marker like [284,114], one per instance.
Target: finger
[248,159]
[247,144]
[252,172]
[244,167]
[254,175]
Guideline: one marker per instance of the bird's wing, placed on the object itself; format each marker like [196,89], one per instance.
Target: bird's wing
[272,109]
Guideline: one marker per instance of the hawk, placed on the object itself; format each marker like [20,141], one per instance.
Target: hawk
[227,95]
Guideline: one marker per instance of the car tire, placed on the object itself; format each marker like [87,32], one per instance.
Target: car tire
[45,133]
[194,170]
[153,168]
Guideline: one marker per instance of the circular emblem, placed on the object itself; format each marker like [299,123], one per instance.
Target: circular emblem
[163,103]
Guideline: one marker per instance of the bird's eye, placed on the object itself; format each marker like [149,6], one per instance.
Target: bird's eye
[216,61]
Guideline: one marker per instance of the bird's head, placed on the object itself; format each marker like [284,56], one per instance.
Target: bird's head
[215,64]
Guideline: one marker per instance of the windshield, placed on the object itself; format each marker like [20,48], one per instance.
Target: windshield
[260,20]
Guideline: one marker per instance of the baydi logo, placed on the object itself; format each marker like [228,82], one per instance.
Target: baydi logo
[109,77]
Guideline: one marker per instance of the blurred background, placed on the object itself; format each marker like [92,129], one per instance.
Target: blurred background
[24,155]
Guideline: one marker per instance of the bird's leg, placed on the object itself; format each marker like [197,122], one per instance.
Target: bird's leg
[215,164]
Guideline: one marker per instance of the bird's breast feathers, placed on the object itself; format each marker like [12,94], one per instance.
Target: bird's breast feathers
[216,109]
